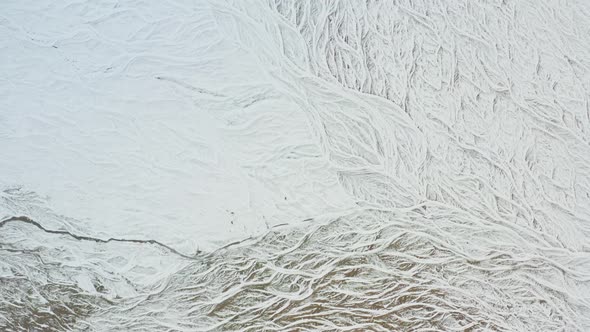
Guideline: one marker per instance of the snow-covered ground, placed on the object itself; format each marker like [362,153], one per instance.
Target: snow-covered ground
[151,121]
[295,165]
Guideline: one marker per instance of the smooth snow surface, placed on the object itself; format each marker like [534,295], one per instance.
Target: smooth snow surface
[295,165]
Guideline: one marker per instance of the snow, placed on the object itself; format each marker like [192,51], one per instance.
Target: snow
[295,165]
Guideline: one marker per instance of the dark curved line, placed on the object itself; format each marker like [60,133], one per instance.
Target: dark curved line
[88,238]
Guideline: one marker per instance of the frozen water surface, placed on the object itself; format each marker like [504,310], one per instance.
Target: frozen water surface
[295,165]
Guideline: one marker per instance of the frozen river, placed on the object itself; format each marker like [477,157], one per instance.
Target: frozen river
[338,165]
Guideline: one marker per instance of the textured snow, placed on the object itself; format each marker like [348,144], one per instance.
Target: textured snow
[298,165]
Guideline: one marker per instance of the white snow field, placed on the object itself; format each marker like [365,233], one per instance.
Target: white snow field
[298,165]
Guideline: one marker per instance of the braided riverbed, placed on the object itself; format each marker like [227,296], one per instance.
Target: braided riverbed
[293,165]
